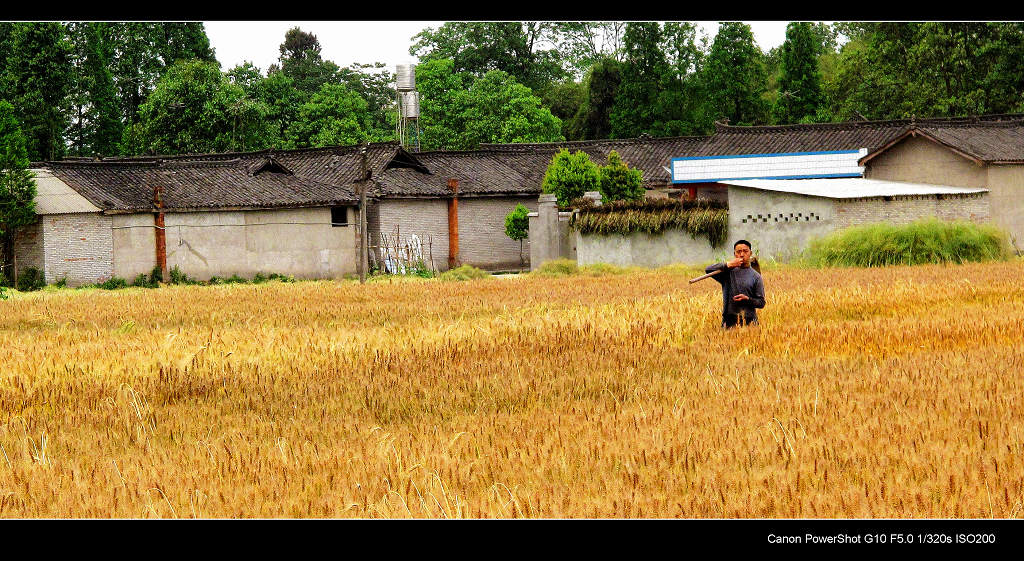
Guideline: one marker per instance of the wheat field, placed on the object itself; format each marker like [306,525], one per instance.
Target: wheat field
[865,393]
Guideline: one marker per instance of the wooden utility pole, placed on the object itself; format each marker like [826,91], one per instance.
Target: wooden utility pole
[161,232]
[363,238]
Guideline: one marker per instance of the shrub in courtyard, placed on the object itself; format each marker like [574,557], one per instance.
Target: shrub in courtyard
[113,283]
[31,279]
[619,182]
[569,176]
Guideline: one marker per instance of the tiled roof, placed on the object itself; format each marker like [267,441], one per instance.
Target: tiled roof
[189,184]
[988,137]
[987,142]
[650,155]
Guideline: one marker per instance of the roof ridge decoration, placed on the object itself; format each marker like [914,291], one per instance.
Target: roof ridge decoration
[268,163]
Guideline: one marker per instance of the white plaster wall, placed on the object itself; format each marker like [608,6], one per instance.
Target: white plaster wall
[779,225]
[134,245]
[297,242]
[645,250]
[1006,194]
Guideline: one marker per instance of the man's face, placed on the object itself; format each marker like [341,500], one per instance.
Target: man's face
[742,251]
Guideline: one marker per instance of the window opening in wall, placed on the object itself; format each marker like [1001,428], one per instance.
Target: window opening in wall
[339,216]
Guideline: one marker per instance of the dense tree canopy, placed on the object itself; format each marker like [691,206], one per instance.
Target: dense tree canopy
[84,89]
[459,111]
[195,108]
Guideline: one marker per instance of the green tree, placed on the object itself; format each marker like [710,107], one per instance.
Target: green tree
[458,112]
[619,182]
[300,60]
[17,186]
[95,115]
[569,176]
[643,74]
[600,87]
[37,82]
[734,76]
[517,226]
[142,54]
[195,108]
[680,108]
[800,82]
[441,103]
[498,109]
[275,91]
[564,100]
[335,115]
[376,85]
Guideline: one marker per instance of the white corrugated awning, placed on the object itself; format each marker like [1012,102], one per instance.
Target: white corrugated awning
[53,196]
[850,188]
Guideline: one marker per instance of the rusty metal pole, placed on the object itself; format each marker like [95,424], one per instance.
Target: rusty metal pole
[453,224]
[161,232]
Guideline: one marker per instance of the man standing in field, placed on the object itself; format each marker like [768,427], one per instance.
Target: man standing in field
[742,287]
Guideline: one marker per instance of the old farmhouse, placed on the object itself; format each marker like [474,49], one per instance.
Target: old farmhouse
[293,211]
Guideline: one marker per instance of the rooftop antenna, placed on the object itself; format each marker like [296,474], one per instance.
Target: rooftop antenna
[408,126]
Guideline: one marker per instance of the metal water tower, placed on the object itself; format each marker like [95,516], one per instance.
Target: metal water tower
[407,127]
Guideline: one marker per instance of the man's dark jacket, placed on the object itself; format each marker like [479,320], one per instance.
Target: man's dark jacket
[739,280]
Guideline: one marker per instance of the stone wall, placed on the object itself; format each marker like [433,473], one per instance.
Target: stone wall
[425,218]
[778,225]
[919,160]
[1006,196]
[77,247]
[482,239]
[550,237]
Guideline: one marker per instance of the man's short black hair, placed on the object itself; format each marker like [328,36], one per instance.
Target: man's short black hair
[743,242]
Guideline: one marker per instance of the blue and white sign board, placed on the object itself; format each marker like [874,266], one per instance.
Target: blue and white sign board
[791,165]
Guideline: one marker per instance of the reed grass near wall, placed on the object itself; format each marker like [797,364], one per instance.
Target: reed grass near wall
[885,392]
[698,218]
[923,241]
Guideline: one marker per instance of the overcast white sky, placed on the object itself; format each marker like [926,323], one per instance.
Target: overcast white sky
[346,42]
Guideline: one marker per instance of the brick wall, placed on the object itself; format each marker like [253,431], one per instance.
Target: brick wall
[77,247]
[903,210]
[425,218]
[482,239]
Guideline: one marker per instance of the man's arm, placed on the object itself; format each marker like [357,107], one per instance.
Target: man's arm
[721,278]
[757,299]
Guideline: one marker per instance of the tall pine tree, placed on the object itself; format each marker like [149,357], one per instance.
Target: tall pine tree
[37,81]
[17,187]
[800,82]
[643,72]
[734,77]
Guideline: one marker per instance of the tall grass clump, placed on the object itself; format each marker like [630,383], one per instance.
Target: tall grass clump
[556,268]
[464,272]
[923,241]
